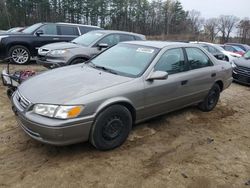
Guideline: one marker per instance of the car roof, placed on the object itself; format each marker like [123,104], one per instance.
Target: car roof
[117,31]
[160,44]
[65,23]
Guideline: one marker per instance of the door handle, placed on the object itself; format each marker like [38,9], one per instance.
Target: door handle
[213,75]
[55,38]
[184,82]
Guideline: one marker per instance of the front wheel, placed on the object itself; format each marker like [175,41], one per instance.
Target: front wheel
[211,99]
[19,54]
[111,128]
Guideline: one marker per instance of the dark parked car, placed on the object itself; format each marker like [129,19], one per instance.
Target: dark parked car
[82,48]
[244,47]
[24,45]
[129,83]
[241,69]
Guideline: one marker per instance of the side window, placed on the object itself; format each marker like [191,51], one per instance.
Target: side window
[49,29]
[212,49]
[197,58]
[172,61]
[229,48]
[126,38]
[68,30]
[85,29]
[111,40]
[207,48]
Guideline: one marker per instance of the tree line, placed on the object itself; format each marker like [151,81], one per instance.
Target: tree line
[165,18]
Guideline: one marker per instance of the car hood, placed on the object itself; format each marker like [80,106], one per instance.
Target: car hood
[242,62]
[62,85]
[61,46]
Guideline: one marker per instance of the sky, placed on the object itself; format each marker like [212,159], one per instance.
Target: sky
[215,8]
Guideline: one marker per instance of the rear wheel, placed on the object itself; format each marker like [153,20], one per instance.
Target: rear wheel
[111,128]
[211,99]
[19,54]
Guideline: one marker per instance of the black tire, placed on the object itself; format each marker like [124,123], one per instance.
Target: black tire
[77,60]
[10,92]
[211,99]
[19,54]
[111,128]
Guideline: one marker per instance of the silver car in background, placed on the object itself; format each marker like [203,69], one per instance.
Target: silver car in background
[131,82]
[82,48]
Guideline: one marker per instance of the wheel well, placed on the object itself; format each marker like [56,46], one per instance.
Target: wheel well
[125,104]
[220,83]
[82,58]
[21,44]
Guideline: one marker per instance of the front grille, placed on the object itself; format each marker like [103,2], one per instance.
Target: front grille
[245,71]
[22,101]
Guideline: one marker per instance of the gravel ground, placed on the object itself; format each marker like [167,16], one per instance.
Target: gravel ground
[187,148]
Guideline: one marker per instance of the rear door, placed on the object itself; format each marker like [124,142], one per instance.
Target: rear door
[202,73]
[67,32]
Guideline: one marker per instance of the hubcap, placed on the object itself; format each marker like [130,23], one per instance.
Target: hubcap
[112,128]
[20,55]
[212,98]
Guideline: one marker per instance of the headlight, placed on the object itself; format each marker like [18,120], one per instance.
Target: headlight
[233,64]
[2,37]
[58,52]
[56,111]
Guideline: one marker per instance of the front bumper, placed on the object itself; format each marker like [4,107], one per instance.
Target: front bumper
[241,78]
[50,62]
[52,131]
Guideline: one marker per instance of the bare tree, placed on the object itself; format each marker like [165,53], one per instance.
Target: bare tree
[244,30]
[169,14]
[196,21]
[226,25]
[211,28]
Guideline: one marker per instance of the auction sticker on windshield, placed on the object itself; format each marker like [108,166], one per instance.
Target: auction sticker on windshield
[145,50]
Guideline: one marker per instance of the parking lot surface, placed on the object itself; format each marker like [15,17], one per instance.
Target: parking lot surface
[187,148]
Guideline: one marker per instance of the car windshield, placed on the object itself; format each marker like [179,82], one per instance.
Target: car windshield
[125,59]
[88,38]
[32,29]
[247,55]
[218,47]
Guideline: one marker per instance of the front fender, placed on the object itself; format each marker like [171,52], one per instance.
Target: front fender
[112,101]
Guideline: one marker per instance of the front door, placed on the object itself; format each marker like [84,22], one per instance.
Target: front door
[162,96]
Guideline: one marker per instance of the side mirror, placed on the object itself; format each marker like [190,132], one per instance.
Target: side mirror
[102,45]
[158,75]
[39,32]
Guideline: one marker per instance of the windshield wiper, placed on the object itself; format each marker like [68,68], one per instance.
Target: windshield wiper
[105,69]
[101,67]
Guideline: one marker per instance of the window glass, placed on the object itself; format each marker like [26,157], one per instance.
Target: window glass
[68,30]
[126,59]
[229,48]
[172,61]
[49,29]
[111,40]
[126,38]
[197,59]
[85,29]
[213,49]
[88,38]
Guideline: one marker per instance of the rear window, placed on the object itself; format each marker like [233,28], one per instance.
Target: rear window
[85,29]
[68,30]
[126,38]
